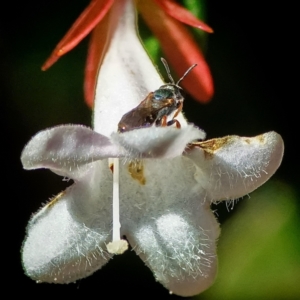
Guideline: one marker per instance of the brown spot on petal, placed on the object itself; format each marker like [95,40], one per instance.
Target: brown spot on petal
[258,139]
[261,138]
[55,199]
[211,146]
[111,166]
[136,170]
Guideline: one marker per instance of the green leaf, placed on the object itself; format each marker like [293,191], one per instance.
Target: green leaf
[259,248]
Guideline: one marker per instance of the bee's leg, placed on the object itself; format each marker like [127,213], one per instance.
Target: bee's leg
[163,121]
[177,123]
[179,109]
[175,115]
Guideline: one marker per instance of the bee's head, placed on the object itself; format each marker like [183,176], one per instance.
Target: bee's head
[169,91]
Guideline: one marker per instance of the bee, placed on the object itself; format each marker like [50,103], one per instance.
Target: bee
[157,106]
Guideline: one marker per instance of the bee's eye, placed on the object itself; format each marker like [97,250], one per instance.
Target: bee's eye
[161,94]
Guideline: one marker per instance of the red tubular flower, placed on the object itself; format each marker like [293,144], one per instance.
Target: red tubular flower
[163,17]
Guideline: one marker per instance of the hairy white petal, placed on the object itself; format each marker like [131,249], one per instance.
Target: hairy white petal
[233,166]
[64,149]
[158,142]
[66,238]
[127,74]
[168,224]
[180,250]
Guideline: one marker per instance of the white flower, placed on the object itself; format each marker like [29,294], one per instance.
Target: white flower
[165,184]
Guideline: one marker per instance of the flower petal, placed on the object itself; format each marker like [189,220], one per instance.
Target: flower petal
[64,149]
[180,250]
[233,166]
[127,74]
[181,14]
[180,49]
[167,223]
[86,22]
[158,142]
[66,238]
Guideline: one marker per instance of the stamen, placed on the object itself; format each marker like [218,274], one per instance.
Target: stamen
[116,202]
[117,246]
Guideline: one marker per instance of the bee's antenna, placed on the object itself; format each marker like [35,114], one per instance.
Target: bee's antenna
[187,72]
[168,70]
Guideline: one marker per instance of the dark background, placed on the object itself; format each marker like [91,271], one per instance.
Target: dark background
[253,62]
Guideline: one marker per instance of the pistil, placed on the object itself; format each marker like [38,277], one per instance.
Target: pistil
[117,246]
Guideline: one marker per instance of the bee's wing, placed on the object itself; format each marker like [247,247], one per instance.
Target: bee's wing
[138,117]
[150,106]
[144,114]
